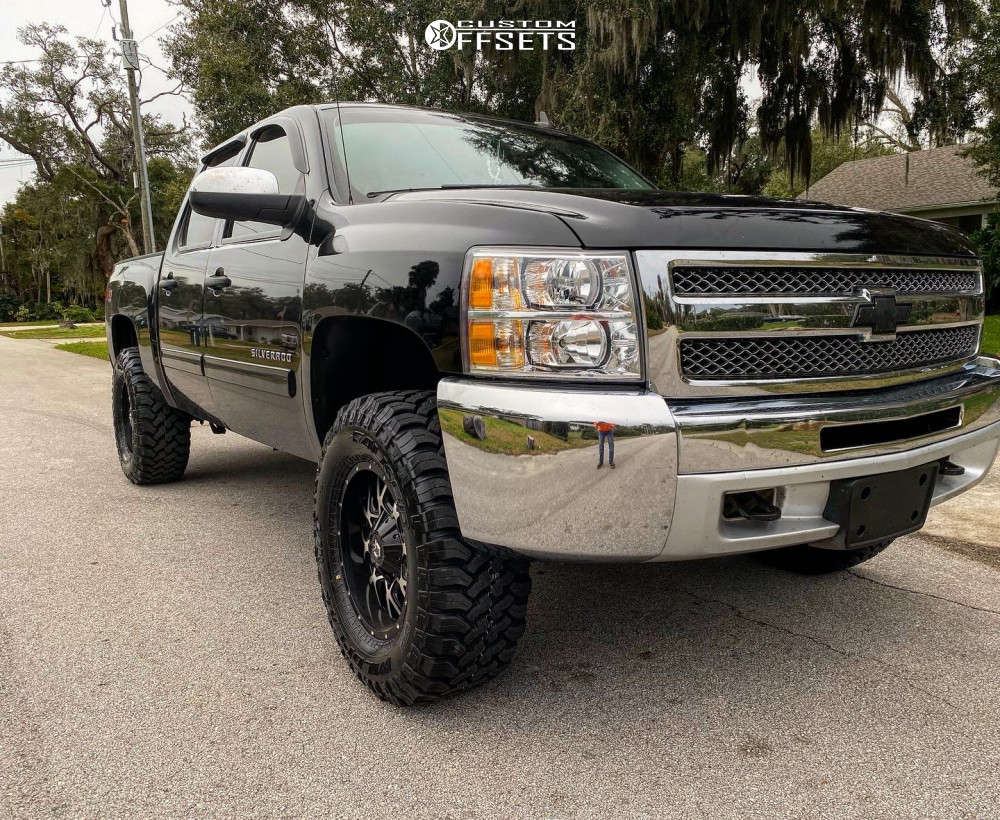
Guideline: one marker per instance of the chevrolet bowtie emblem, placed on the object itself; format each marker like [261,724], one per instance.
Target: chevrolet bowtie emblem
[882,313]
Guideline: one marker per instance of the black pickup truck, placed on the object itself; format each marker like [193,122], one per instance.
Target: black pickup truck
[459,318]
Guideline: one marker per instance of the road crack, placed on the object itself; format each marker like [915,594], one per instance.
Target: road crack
[853,657]
[925,594]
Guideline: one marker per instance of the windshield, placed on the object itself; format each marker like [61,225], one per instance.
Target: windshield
[395,149]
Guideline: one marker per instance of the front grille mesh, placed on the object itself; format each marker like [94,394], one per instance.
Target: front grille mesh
[823,356]
[819,281]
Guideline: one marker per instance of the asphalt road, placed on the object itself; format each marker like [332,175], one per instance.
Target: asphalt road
[165,651]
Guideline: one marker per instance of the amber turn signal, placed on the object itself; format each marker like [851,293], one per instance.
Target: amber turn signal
[496,343]
[481,285]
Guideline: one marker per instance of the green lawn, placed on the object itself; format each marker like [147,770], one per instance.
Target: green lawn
[91,332]
[991,335]
[99,350]
[30,324]
[506,437]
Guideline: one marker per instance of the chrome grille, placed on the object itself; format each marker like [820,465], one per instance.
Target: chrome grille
[734,323]
[815,281]
[796,357]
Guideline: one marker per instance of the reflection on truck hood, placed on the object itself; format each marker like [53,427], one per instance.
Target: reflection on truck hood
[608,218]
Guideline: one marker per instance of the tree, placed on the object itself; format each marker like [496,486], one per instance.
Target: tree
[69,112]
[986,78]
[746,171]
[987,239]
[829,152]
[649,78]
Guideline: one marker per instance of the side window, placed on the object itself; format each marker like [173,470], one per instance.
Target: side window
[199,230]
[271,152]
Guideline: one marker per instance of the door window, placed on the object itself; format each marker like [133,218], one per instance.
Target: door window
[198,230]
[272,152]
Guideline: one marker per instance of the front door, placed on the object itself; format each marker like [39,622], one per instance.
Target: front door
[253,307]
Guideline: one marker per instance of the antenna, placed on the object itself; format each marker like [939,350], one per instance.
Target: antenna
[343,147]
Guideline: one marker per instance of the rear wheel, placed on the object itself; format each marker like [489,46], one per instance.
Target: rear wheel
[417,611]
[817,561]
[154,439]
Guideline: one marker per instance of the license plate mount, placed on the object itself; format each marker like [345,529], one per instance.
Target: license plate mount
[873,508]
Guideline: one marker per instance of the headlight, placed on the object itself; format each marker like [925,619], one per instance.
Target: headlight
[550,314]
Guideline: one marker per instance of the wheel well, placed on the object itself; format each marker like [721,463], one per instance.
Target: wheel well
[354,356]
[122,334]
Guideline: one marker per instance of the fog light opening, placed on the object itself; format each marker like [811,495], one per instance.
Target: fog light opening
[752,505]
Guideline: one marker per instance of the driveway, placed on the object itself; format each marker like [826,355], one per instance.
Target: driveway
[165,651]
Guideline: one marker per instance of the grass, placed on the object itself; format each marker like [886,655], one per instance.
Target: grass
[56,333]
[506,437]
[30,324]
[99,350]
[991,335]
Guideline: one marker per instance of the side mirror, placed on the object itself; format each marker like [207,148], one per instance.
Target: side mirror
[243,194]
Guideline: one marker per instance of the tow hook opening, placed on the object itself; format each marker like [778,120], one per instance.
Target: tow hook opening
[949,467]
[752,505]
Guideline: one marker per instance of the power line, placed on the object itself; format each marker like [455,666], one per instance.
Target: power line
[73,57]
[159,27]
[104,16]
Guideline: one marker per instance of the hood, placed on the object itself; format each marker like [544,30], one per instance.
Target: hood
[615,218]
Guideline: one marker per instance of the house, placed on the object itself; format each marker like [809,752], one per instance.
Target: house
[938,184]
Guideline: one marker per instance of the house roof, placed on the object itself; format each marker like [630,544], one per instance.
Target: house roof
[936,177]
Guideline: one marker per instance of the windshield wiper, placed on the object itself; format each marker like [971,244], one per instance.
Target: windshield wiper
[508,185]
[372,194]
[450,186]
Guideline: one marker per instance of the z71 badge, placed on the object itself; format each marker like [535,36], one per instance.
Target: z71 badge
[270,355]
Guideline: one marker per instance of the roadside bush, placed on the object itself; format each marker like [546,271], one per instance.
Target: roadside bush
[77,313]
[987,239]
[38,311]
[8,307]
[654,318]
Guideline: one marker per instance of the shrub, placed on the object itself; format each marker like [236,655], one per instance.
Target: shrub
[77,313]
[8,307]
[987,239]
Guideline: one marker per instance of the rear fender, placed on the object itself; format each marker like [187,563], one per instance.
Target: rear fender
[130,297]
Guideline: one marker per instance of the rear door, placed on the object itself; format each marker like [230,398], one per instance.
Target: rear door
[253,307]
[180,294]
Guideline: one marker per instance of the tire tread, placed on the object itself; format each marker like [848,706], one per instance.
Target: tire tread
[162,442]
[472,599]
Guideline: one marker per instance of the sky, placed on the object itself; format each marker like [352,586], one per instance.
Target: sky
[89,18]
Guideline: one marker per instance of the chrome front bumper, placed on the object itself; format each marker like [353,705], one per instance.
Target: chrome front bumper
[675,461]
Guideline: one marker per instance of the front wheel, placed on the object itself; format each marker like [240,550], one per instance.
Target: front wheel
[417,611]
[817,561]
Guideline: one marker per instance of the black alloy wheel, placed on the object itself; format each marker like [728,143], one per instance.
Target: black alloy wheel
[373,549]
[418,611]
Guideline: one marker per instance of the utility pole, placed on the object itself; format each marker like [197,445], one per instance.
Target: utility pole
[130,59]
